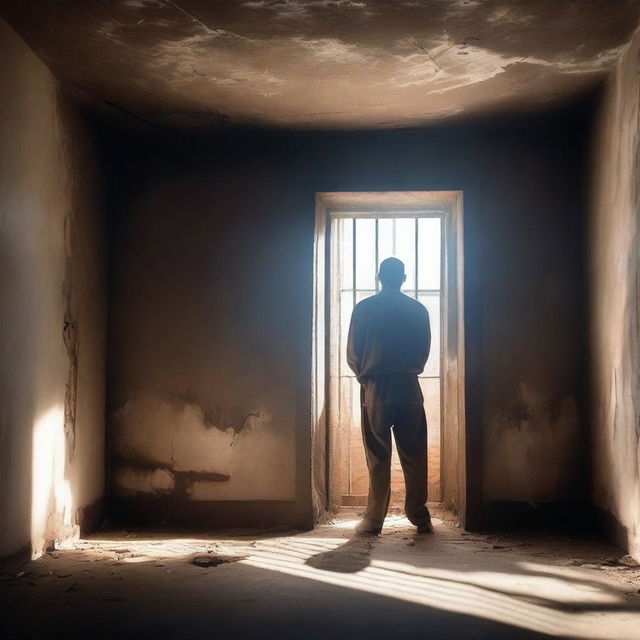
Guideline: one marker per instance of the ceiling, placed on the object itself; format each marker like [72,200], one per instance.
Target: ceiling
[324,64]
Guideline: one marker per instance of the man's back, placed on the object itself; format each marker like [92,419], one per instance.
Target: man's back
[389,341]
[389,334]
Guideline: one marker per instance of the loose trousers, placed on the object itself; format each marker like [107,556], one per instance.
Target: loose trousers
[410,431]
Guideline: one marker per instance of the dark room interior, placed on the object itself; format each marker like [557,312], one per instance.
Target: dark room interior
[195,195]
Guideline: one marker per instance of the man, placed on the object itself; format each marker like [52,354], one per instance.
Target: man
[388,346]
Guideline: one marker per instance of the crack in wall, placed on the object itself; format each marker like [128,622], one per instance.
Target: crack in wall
[71,344]
[177,484]
[176,445]
[216,417]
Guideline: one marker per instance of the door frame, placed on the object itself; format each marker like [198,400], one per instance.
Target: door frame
[448,204]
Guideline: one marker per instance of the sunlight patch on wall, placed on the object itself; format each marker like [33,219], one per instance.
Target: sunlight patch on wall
[51,497]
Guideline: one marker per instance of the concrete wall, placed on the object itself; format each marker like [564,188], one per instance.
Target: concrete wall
[615,265]
[211,310]
[52,309]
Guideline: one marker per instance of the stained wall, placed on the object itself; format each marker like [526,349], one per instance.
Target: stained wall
[211,310]
[52,309]
[615,277]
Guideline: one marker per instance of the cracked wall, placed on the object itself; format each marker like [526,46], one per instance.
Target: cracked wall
[52,310]
[203,354]
[615,273]
[325,64]
[211,308]
[201,454]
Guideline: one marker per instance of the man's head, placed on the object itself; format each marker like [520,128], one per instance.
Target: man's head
[391,273]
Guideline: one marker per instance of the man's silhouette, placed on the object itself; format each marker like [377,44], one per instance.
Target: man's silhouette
[388,346]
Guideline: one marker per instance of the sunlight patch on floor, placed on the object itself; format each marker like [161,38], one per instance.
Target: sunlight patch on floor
[453,571]
[523,600]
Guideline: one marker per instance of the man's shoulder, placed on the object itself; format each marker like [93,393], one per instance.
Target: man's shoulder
[396,299]
[416,304]
[365,303]
[415,307]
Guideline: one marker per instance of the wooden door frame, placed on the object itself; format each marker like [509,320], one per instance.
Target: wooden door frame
[326,491]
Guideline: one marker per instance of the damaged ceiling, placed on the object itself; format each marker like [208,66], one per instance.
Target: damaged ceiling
[324,64]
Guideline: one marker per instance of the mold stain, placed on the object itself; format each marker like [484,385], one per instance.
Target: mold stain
[216,417]
[176,446]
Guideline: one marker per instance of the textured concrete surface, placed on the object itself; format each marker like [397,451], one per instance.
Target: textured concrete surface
[615,273]
[211,307]
[52,308]
[324,63]
[326,584]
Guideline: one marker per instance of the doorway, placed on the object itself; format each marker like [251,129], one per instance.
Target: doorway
[354,232]
[358,243]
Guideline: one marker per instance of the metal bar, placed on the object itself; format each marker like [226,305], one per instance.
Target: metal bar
[336,278]
[330,286]
[422,291]
[336,273]
[444,284]
[348,406]
[393,237]
[353,262]
[422,213]
[416,259]
[377,259]
[345,376]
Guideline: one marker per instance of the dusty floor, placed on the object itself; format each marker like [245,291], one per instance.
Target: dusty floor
[325,584]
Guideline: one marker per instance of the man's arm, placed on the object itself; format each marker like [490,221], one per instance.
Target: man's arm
[424,338]
[355,342]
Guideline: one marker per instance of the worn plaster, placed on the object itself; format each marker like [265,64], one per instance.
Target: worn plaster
[52,312]
[310,64]
[226,226]
[615,273]
[172,444]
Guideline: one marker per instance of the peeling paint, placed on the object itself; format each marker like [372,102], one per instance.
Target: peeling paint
[133,480]
[531,451]
[70,338]
[216,417]
[329,63]
[53,305]
[509,15]
[615,339]
[140,477]
[332,50]
[208,450]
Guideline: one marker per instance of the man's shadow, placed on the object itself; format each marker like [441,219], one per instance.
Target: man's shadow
[350,557]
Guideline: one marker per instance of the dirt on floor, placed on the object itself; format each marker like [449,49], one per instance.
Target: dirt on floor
[326,583]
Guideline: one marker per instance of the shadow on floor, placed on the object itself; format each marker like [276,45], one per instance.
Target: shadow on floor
[351,557]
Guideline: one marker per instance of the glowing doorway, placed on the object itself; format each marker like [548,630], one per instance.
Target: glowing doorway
[354,232]
[358,243]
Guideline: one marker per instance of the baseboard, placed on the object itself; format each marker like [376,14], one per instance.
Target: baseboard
[91,516]
[502,515]
[203,515]
[15,559]
[613,528]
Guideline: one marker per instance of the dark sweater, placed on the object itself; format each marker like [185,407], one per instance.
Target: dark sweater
[388,346]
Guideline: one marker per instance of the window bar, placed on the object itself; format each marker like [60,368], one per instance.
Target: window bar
[369,291]
[354,285]
[353,261]
[415,282]
[441,318]
[393,237]
[339,243]
[377,258]
[443,314]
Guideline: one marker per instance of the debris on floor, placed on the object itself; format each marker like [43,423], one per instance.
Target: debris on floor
[211,560]
[332,583]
